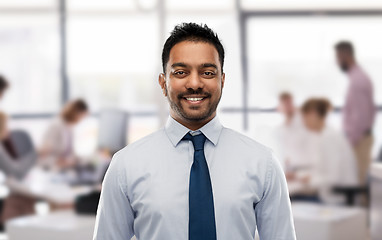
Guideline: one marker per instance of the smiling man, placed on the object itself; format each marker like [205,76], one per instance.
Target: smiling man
[194,179]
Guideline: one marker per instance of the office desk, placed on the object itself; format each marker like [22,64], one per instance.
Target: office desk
[320,222]
[41,184]
[61,225]
[376,201]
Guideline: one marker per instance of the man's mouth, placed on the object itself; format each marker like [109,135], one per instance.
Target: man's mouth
[194,99]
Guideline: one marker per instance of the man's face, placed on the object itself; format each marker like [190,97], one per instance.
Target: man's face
[343,60]
[193,82]
[310,120]
[79,116]
[286,106]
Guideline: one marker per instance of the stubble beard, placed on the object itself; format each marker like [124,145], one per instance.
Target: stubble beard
[179,110]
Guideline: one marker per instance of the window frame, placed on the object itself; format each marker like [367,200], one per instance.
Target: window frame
[243,18]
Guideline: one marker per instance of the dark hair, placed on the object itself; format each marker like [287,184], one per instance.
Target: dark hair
[3,83]
[345,46]
[320,105]
[72,108]
[191,32]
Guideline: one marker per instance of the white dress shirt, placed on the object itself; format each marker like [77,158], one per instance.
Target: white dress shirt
[334,164]
[145,190]
[289,139]
[57,143]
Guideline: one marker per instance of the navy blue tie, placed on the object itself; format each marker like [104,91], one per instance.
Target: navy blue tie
[201,225]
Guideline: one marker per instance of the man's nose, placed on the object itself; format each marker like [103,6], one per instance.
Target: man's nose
[194,81]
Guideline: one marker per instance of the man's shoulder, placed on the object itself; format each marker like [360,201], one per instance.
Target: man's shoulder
[250,152]
[244,143]
[359,77]
[144,144]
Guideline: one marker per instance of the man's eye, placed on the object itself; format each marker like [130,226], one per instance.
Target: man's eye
[209,73]
[179,73]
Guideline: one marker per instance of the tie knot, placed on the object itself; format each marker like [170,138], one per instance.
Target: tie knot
[197,140]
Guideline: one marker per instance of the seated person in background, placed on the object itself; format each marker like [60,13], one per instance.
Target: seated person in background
[17,167]
[332,161]
[57,149]
[290,134]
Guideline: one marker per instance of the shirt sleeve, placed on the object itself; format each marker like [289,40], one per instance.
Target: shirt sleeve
[358,112]
[273,211]
[353,120]
[115,217]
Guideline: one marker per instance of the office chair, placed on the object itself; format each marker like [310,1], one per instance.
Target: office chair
[379,157]
[22,142]
[351,193]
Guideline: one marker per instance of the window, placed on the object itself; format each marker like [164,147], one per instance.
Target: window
[311,4]
[29,59]
[28,4]
[297,54]
[100,5]
[113,60]
[211,6]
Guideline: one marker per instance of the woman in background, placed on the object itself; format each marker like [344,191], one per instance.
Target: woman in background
[13,166]
[57,149]
[331,160]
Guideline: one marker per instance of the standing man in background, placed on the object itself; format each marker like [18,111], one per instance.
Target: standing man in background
[359,109]
[194,179]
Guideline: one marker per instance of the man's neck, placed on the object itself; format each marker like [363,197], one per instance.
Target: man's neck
[352,65]
[319,126]
[289,119]
[192,125]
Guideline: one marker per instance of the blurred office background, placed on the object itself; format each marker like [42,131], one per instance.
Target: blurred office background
[107,52]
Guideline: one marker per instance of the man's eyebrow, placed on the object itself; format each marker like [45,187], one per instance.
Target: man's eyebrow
[179,64]
[206,65]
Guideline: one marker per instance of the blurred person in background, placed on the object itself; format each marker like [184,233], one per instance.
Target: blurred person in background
[359,109]
[5,140]
[3,86]
[290,134]
[287,108]
[12,165]
[17,167]
[57,147]
[332,160]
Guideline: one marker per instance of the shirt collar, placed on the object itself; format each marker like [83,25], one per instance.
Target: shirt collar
[176,131]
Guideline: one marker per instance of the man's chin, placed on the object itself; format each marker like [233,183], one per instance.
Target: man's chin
[195,117]
[192,113]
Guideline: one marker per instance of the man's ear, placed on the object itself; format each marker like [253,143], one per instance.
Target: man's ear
[223,79]
[162,83]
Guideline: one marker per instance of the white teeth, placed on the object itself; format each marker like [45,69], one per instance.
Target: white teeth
[194,99]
